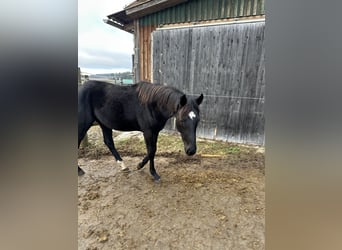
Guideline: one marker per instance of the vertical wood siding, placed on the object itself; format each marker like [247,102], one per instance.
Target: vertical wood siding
[144,46]
[227,64]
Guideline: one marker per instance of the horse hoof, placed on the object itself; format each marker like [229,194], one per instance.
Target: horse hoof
[156,179]
[140,166]
[125,170]
[80,172]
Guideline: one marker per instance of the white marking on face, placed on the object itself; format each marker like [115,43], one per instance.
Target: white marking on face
[192,115]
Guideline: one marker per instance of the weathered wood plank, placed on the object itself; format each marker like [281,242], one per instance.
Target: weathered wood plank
[227,64]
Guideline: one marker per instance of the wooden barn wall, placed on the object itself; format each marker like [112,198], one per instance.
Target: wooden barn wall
[189,12]
[227,64]
[144,45]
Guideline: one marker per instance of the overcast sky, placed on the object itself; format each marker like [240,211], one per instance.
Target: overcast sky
[102,48]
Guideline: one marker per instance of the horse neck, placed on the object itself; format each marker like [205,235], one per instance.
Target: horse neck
[165,98]
[171,108]
[164,111]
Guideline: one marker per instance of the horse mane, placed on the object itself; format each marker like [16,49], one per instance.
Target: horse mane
[165,97]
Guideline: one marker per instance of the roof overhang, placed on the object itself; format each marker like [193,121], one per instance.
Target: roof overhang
[120,20]
[145,7]
[124,19]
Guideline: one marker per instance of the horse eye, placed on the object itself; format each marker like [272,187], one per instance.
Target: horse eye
[183,120]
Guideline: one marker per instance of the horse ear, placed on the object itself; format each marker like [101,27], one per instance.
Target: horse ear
[183,100]
[199,99]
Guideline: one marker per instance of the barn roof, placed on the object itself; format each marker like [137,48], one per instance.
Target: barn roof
[144,7]
[124,19]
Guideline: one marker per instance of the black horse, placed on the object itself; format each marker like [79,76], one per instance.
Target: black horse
[142,107]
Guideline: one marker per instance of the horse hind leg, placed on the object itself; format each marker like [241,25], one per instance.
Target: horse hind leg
[108,140]
[84,123]
[80,171]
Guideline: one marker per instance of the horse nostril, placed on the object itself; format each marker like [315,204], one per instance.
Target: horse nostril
[190,151]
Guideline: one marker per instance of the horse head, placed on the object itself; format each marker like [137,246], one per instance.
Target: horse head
[187,119]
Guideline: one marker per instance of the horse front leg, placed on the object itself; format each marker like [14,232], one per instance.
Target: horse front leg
[151,145]
[143,163]
[153,170]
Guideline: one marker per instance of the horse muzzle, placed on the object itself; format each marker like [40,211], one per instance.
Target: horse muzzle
[190,150]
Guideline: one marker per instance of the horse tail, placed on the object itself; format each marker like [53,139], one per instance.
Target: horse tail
[85,111]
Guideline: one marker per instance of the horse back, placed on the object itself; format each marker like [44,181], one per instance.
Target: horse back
[114,106]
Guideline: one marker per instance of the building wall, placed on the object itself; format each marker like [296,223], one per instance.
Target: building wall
[227,64]
[144,44]
[193,11]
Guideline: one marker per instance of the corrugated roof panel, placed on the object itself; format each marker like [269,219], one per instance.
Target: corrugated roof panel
[261,6]
[236,8]
[254,7]
[210,9]
[216,9]
[203,10]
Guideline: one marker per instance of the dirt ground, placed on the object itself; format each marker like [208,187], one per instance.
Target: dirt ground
[212,200]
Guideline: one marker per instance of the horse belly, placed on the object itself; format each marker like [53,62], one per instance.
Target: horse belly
[118,121]
[126,125]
